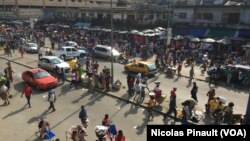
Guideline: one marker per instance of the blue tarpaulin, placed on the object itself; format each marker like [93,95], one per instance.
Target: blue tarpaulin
[180,31]
[244,33]
[199,32]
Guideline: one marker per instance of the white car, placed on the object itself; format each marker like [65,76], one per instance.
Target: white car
[70,43]
[51,62]
[103,51]
[31,47]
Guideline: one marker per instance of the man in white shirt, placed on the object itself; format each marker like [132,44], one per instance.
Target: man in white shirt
[51,99]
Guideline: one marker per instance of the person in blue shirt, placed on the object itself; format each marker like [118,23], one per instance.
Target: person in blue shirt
[83,116]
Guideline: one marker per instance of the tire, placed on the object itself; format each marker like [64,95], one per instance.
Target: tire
[63,57]
[37,88]
[40,56]
[82,55]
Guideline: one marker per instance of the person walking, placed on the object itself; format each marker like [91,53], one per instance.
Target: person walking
[150,103]
[191,74]
[21,51]
[194,92]
[210,94]
[73,79]
[51,99]
[10,71]
[63,75]
[172,107]
[27,91]
[83,116]
[179,69]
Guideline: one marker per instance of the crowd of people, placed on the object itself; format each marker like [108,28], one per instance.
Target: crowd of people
[137,85]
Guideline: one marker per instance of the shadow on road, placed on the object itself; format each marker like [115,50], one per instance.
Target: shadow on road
[85,94]
[132,110]
[140,129]
[16,112]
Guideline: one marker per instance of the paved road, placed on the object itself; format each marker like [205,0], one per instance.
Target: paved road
[239,97]
[18,122]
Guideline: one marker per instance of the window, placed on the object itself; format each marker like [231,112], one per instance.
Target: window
[91,2]
[182,15]
[73,49]
[198,16]
[79,0]
[208,16]
[60,0]
[73,0]
[68,49]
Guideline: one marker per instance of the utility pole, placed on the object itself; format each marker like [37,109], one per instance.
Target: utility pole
[112,61]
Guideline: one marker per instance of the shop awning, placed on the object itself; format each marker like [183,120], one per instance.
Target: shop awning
[199,32]
[245,33]
[221,32]
[180,31]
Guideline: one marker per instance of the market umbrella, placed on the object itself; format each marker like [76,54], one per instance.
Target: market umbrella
[208,40]
[246,46]
[195,40]
[178,37]
[189,37]
[224,41]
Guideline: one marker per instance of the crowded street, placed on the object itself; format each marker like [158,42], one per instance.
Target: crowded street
[67,83]
[131,119]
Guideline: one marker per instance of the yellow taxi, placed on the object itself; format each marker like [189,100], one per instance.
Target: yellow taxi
[141,67]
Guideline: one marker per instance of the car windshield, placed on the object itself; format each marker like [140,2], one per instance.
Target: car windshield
[56,61]
[151,66]
[41,74]
[32,45]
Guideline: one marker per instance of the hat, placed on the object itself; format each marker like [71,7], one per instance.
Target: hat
[151,94]
[157,82]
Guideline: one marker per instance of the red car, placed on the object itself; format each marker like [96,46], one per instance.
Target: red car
[39,78]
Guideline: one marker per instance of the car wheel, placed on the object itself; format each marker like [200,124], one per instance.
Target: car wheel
[40,56]
[82,55]
[37,87]
[63,57]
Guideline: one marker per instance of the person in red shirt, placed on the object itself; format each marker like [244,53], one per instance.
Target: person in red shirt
[120,136]
[27,91]
[105,121]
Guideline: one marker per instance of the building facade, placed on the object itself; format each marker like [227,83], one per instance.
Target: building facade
[172,12]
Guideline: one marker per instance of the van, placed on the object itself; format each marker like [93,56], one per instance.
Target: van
[103,51]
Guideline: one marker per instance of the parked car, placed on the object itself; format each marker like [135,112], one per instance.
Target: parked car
[141,67]
[31,47]
[105,52]
[51,62]
[39,78]
[70,43]
[66,52]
